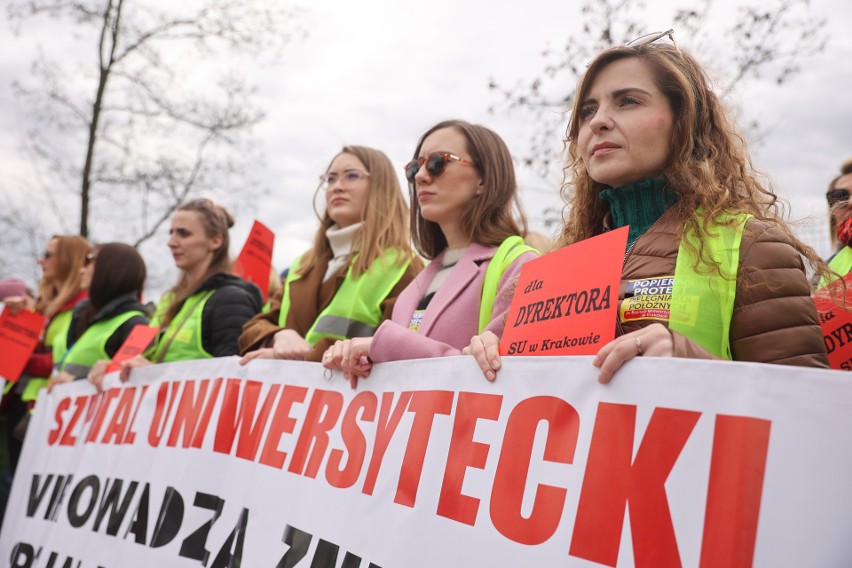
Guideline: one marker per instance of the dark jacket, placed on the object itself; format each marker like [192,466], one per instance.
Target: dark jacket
[232,305]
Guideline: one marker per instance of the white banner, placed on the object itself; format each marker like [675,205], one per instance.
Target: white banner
[206,463]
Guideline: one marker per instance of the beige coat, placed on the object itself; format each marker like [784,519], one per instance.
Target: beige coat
[309,296]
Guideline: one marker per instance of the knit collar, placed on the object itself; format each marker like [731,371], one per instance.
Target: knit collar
[638,205]
[341,238]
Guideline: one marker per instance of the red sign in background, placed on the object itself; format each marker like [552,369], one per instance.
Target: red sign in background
[255,260]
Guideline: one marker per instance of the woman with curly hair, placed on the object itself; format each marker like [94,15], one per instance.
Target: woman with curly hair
[651,147]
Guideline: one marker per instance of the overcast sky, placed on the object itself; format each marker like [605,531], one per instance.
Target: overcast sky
[380,72]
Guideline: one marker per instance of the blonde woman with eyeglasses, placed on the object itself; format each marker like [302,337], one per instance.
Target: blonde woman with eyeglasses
[346,285]
[651,147]
[467,221]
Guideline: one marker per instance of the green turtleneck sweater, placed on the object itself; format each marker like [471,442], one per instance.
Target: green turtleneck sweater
[639,205]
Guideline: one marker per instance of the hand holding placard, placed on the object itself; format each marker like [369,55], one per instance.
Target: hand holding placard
[566,300]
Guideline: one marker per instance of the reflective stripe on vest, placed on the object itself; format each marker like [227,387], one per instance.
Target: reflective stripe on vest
[181,341]
[508,252]
[356,308]
[703,301]
[841,263]
[55,337]
[91,346]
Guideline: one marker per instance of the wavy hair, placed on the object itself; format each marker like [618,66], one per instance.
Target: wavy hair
[488,219]
[55,292]
[708,166]
[384,218]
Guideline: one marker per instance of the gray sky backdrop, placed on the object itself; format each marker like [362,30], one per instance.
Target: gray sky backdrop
[380,72]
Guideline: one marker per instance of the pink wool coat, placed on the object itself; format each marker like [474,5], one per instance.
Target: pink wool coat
[452,316]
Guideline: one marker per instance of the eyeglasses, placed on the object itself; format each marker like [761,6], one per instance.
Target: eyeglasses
[837,195]
[435,164]
[652,37]
[348,177]
[90,258]
[46,255]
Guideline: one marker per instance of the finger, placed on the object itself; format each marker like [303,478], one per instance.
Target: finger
[248,357]
[622,351]
[478,348]
[124,373]
[334,355]
[492,349]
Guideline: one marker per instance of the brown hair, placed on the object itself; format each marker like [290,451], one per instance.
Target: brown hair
[55,292]
[119,270]
[488,219]
[708,166]
[384,218]
[216,220]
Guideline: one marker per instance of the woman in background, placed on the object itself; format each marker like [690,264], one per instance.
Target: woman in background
[114,276]
[59,292]
[346,285]
[203,314]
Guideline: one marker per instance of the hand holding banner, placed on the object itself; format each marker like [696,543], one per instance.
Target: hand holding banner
[19,335]
[255,260]
[565,301]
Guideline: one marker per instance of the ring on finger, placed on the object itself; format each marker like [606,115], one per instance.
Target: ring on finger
[639,349]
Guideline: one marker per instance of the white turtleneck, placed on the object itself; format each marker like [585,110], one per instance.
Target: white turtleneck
[340,240]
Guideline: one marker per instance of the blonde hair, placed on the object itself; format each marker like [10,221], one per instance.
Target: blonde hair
[708,165]
[216,220]
[488,219]
[384,221]
[64,285]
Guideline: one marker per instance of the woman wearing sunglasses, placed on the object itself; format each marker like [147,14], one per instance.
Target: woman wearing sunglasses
[346,285]
[203,314]
[840,219]
[59,292]
[114,275]
[463,191]
[650,146]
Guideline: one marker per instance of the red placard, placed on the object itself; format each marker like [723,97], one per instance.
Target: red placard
[137,341]
[255,261]
[566,300]
[19,335]
[836,322]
